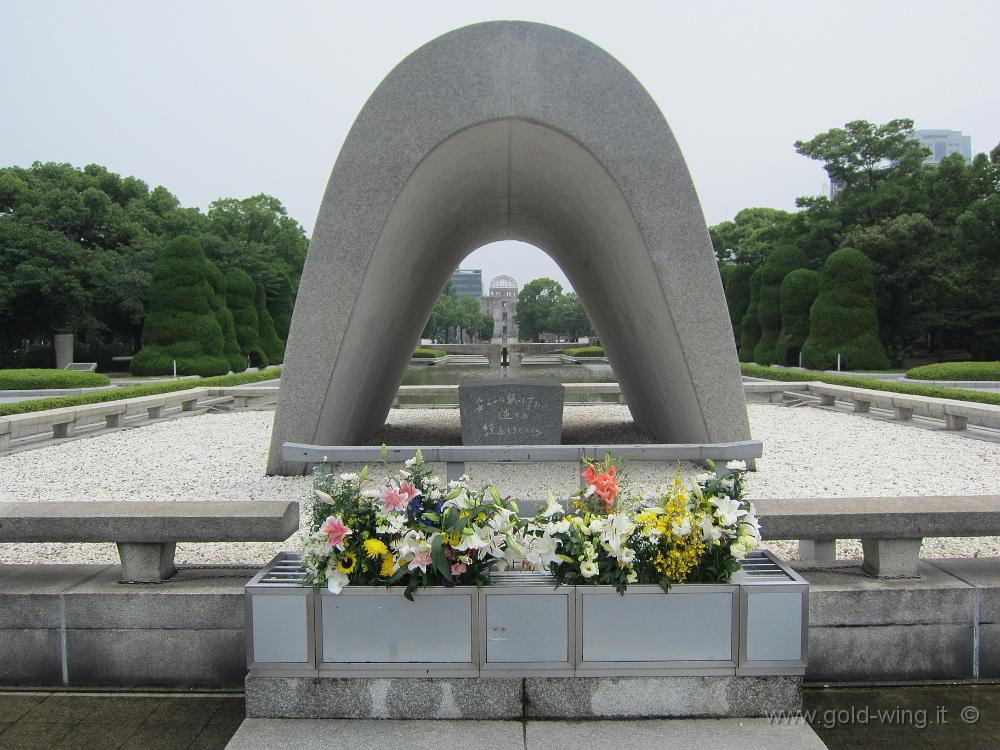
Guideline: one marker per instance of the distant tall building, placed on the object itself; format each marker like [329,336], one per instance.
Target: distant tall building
[501,305]
[944,142]
[468,281]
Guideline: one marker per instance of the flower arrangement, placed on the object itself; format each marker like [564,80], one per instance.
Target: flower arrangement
[694,531]
[417,531]
[411,532]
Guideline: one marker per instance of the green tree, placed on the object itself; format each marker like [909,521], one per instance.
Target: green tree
[484,329]
[567,318]
[241,299]
[798,292]
[181,325]
[843,320]
[750,325]
[737,289]
[534,306]
[780,262]
[750,235]
[279,304]
[269,341]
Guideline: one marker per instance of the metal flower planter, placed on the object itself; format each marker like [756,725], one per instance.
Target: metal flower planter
[523,625]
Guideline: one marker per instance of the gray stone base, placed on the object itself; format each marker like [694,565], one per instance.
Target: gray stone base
[383,698]
[514,698]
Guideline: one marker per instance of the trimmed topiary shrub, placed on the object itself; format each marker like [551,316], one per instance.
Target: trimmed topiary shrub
[737,286]
[798,292]
[750,325]
[39,378]
[231,347]
[273,346]
[279,304]
[181,324]
[241,299]
[957,371]
[421,353]
[780,262]
[843,319]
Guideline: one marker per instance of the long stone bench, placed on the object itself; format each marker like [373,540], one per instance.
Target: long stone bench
[147,532]
[956,414]
[891,529]
[64,421]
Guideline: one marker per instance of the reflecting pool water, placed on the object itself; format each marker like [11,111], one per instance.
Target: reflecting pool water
[446,374]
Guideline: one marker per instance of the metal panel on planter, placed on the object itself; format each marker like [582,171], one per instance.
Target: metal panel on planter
[377,631]
[526,626]
[280,619]
[774,617]
[692,630]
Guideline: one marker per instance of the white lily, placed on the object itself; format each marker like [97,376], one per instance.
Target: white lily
[336,581]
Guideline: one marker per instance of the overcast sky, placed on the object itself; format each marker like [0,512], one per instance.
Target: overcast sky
[215,99]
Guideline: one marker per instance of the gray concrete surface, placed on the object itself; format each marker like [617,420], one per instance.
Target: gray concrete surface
[522,131]
[691,734]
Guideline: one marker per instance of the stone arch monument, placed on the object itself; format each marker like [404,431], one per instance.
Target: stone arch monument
[509,130]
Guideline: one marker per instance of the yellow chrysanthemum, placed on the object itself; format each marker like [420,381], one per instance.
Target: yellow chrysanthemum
[388,566]
[375,548]
[347,562]
[452,539]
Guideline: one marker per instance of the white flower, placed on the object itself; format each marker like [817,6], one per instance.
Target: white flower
[589,492]
[627,556]
[588,569]
[616,532]
[709,531]
[681,527]
[736,465]
[335,581]
[596,525]
[410,462]
[727,510]
[323,496]
[557,527]
[540,551]
[348,477]
[704,477]
[552,506]
[462,501]
[633,577]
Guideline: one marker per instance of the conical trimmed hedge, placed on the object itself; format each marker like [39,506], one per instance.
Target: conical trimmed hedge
[231,347]
[181,324]
[241,298]
[798,292]
[780,262]
[737,286]
[269,341]
[279,304]
[750,326]
[843,319]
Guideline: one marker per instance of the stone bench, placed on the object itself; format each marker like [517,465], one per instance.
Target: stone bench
[956,414]
[891,529]
[147,532]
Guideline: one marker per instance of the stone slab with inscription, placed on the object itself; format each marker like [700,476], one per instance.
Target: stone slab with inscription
[511,411]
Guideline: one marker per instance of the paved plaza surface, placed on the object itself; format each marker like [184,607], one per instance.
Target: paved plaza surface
[936,717]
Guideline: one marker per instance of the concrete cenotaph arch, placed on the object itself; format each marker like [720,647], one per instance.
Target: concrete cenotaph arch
[509,130]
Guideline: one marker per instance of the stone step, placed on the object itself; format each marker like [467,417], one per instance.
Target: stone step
[635,734]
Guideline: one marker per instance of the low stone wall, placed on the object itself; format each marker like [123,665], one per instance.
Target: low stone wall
[74,625]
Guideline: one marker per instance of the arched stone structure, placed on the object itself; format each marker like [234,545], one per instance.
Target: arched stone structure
[522,131]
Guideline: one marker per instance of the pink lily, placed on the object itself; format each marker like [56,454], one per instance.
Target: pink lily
[458,568]
[336,531]
[421,559]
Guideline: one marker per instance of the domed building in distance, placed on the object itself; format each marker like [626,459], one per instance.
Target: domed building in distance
[501,305]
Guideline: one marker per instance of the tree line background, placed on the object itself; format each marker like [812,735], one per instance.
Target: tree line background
[925,238]
[78,248]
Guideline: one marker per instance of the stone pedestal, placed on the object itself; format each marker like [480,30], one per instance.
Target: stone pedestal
[511,411]
[517,698]
[63,345]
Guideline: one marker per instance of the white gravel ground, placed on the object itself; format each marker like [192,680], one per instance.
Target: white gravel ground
[807,453]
